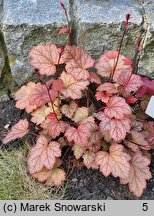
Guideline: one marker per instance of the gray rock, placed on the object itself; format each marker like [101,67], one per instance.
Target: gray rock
[146,65]
[33,12]
[98,25]
[98,28]
[27,23]
[149,8]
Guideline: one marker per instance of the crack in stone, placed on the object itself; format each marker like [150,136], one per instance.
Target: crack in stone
[73,22]
[144,29]
[6,73]
[6,76]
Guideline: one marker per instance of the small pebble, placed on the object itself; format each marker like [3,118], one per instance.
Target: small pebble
[74,180]
[4,98]
[6,126]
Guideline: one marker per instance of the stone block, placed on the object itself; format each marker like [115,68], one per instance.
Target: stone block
[27,23]
[146,64]
[98,28]
[98,25]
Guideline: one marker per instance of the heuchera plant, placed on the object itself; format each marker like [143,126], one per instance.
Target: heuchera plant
[96,108]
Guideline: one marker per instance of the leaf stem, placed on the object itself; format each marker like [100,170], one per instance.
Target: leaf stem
[100,109]
[137,144]
[134,64]
[92,95]
[68,23]
[119,51]
[125,25]
[51,101]
[59,103]
[32,133]
[87,99]
[65,153]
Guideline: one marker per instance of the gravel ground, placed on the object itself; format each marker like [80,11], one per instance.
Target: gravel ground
[82,183]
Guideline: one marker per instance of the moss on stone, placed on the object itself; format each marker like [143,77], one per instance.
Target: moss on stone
[11,59]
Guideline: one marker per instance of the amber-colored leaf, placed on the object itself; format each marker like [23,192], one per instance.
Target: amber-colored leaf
[149,133]
[40,95]
[88,159]
[43,176]
[58,176]
[69,110]
[80,114]
[18,130]
[94,78]
[53,115]
[54,127]
[39,115]
[95,137]
[139,173]
[62,141]
[94,147]
[115,162]
[117,108]
[132,146]
[149,126]
[106,136]
[79,64]
[105,91]
[104,97]
[55,176]
[108,88]
[107,62]
[116,128]
[72,88]
[139,140]
[44,58]
[23,96]
[78,151]
[69,53]
[43,154]
[150,139]
[94,142]
[90,123]
[79,135]
[130,82]
[57,85]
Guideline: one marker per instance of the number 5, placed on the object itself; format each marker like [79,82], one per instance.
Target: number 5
[145,207]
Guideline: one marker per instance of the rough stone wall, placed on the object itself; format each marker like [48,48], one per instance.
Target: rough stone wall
[96,26]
